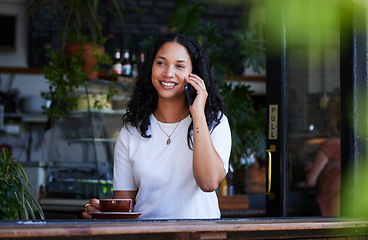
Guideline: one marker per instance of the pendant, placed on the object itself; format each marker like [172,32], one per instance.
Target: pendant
[168,141]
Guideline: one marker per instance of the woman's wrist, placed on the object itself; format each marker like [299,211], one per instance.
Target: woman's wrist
[198,115]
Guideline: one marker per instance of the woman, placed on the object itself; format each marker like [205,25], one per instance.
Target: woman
[170,156]
[325,169]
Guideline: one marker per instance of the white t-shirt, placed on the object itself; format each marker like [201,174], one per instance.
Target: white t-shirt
[163,174]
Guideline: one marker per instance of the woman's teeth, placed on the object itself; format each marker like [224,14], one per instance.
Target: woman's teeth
[168,84]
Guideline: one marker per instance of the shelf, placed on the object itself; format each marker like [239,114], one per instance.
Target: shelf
[107,81]
[246,78]
[99,140]
[96,111]
[41,118]
[20,70]
[28,117]
[67,205]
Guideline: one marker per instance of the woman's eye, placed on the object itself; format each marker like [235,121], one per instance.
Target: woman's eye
[180,66]
[160,63]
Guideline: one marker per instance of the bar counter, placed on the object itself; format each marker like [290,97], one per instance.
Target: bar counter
[258,228]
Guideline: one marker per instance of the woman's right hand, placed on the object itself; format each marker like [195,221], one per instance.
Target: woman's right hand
[92,206]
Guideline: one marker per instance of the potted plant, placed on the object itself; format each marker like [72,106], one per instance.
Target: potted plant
[252,48]
[248,152]
[15,200]
[65,75]
[80,28]
[247,123]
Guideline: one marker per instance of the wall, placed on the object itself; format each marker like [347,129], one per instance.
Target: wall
[28,84]
[30,134]
[17,58]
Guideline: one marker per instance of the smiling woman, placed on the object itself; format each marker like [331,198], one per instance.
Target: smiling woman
[167,169]
[169,71]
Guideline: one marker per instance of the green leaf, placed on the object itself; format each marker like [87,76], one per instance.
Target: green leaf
[34,201]
[28,208]
[15,200]
[23,173]
[253,49]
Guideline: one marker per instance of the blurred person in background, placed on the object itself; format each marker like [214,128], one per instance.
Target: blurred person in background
[324,171]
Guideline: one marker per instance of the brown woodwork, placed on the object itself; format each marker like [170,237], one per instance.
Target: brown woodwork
[235,202]
[277,228]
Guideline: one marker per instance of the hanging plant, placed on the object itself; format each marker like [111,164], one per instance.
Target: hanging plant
[65,75]
[78,23]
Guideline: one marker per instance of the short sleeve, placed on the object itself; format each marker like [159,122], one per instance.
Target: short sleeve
[221,139]
[123,168]
[331,147]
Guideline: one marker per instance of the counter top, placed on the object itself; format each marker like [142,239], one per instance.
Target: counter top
[262,228]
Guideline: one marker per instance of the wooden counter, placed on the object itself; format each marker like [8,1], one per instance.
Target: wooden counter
[276,228]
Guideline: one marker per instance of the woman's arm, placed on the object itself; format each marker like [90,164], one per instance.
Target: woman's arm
[319,163]
[208,168]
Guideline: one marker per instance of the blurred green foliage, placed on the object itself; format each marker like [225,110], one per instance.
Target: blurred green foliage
[15,200]
[354,197]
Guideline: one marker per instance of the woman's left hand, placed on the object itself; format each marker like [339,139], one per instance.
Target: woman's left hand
[201,98]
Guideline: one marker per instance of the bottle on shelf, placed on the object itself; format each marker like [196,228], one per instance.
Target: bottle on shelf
[127,65]
[141,60]
[117,66]
[224,188]
[134,67]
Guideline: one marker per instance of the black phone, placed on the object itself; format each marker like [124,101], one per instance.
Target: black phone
[190,93]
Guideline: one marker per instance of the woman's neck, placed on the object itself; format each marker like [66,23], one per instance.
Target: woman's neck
[171,112]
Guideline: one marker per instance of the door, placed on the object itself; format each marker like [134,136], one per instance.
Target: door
[303,73]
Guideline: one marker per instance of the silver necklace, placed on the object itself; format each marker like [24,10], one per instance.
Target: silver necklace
[169,136]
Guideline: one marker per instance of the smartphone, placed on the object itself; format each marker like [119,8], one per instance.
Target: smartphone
[190,93]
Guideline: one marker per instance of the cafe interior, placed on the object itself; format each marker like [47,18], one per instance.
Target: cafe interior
[278,64]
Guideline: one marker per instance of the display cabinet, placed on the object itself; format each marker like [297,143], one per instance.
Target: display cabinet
[79,148]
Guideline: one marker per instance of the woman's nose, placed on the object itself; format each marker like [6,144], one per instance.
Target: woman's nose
[169,72]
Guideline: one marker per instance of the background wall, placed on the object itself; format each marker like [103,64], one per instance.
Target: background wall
[28,84]
[17,58]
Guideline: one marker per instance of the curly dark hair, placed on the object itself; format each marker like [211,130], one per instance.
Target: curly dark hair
[144,99]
